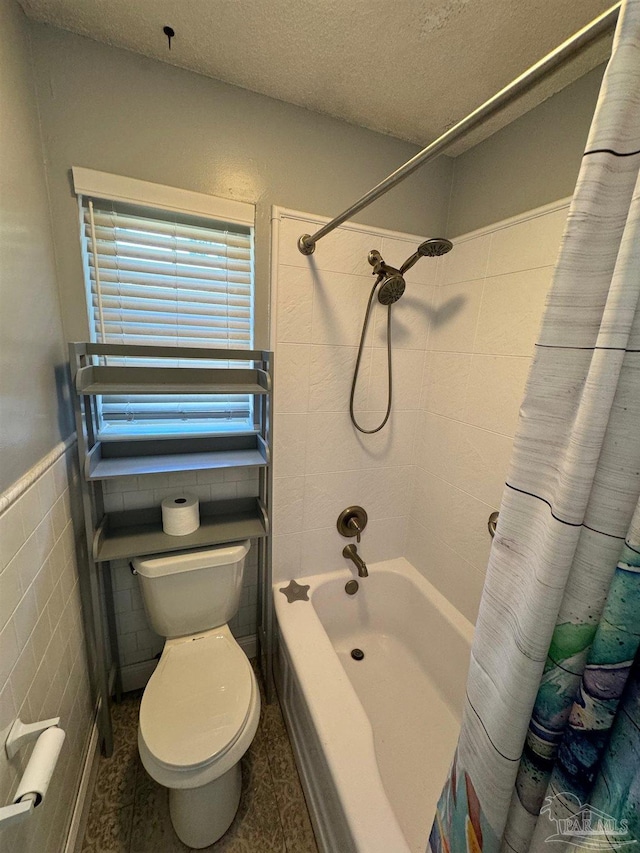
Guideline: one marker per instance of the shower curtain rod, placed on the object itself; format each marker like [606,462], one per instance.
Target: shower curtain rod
[307,242]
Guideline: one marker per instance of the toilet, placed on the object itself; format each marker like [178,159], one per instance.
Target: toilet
[200,708]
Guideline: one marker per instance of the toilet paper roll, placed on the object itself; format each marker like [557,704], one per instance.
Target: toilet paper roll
[41,765]
[180,514]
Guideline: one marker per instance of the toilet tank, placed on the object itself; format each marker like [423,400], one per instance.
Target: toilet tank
[185,592]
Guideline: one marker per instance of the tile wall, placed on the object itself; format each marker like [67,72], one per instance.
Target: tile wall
[138,645]
[43,669]
[322,465]
[463,338]
[486,313]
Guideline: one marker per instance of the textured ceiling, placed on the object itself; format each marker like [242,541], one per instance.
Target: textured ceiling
[407,68]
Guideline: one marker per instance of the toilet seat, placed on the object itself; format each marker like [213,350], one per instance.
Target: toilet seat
[199,711]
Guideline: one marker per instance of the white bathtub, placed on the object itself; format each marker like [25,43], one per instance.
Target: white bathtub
[373,738]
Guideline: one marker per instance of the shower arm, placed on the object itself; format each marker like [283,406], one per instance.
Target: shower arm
[584,37]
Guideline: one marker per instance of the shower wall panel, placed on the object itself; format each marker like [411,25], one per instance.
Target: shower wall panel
[487,308]
[322,464]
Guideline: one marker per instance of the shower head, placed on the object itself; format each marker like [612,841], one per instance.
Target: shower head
[431,248]
[392,280]
[434,246]
[392,288]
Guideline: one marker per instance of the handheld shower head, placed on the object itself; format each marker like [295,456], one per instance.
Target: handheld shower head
[392,288]
[393,283]
[431,248]
[390,285]
[434,246]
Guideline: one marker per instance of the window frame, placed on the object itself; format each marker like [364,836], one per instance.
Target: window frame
[95,185]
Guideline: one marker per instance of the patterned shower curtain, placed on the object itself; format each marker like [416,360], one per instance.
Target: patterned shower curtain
[549,752]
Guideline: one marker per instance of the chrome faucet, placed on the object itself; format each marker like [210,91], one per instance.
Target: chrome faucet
[351,553]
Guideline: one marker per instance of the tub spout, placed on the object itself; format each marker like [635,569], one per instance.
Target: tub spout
[351,553]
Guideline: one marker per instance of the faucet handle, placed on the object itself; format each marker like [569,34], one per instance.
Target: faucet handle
[352,521]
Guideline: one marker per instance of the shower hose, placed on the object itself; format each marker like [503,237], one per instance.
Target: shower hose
[359,358]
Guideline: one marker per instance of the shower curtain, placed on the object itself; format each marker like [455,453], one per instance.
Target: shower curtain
[549,752]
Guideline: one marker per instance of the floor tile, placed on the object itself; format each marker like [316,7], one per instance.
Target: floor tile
[108,831]
[124,715]
[256,826]
[292,806]
[152,830]
[115,783]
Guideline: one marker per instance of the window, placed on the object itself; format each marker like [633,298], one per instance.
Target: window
[167,277]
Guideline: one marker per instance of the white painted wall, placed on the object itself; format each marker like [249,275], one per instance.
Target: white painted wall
[529,163]
[486,313]
[33,415]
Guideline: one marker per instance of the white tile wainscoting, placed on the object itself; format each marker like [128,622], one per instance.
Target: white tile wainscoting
[43,669]
[463,336]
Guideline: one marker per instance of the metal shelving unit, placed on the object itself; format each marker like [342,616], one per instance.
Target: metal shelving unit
[123,535]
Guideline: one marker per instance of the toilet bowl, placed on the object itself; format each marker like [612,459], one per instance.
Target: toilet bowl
[200,708]
[198,716]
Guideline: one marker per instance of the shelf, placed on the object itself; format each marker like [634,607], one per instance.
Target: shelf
[95,379]
[111,459]
[83,349]
[123,535]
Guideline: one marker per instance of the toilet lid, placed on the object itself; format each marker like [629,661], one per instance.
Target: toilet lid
[196,702]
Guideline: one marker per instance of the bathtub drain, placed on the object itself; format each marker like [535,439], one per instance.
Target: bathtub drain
[357,654]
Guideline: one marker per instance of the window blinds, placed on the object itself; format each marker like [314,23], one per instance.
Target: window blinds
[157,278]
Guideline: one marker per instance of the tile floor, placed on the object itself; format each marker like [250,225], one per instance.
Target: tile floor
[129,812]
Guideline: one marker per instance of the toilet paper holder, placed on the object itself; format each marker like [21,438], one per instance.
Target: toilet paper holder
[21,734]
